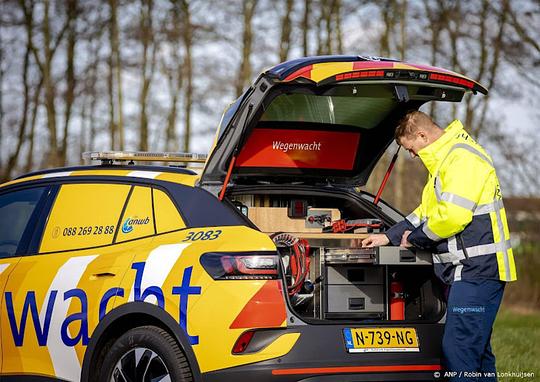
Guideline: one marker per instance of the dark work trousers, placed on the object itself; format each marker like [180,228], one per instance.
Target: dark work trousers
[472,307]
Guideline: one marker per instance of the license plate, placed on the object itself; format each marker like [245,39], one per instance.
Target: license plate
[364,340]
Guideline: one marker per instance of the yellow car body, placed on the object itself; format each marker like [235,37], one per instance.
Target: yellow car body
[55,299]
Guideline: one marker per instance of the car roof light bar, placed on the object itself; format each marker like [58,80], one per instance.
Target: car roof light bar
[108,157]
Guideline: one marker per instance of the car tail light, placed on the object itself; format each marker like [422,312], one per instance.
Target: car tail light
[242,342]
[360,74]
[241,266]
[401,75]
[451,79]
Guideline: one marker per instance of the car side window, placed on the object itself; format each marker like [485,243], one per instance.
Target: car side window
[16,209]
[138,218]
[84,215]
[167,216]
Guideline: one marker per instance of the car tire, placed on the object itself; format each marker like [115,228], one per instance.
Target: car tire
[143,354]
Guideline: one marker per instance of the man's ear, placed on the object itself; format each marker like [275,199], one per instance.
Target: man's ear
[423,135]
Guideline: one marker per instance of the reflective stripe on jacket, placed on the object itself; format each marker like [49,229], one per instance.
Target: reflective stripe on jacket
[461,207]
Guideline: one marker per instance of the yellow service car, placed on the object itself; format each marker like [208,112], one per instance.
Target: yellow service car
[250,271]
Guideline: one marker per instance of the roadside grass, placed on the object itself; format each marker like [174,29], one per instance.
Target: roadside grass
[516,344]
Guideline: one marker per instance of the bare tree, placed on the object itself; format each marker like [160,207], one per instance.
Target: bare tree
[329,34]
[306,26]
[188,72]
[72,12]
[110,81]
[147,68]
[285,41]
[173,73]
[454,28]
[403,29]
[390,19]
[29,163]
[89,91]
[2,71]
[244,75]
[437,19]
[336,12]
[90,129]
[44,59]
[523,33]
[26,100]
[115,80]
[497,45]
[322,39]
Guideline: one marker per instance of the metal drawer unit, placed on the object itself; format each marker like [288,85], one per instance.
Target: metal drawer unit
[352,289]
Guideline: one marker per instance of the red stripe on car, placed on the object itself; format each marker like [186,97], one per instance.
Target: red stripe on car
[302,72]
[357,369]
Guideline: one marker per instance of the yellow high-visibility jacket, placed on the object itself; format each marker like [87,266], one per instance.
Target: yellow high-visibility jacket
[461,218]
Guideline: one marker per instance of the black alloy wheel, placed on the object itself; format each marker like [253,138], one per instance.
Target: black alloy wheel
[145,354]
[140,364]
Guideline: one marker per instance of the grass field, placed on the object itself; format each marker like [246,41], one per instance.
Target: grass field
[516,344]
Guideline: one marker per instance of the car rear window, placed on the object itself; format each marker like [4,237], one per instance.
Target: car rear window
[359,111]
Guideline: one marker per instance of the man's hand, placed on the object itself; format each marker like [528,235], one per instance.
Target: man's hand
[375,240]
[405,240]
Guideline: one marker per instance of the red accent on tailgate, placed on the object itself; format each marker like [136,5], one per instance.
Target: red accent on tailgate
[357,369]
[265,309]
[302,72]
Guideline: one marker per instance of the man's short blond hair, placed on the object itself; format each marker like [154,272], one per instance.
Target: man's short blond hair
[411,122]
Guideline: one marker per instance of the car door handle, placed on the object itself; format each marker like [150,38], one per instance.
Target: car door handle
[102,275]
[105,272]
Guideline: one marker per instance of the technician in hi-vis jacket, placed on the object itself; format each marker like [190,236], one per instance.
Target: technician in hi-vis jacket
[462,220]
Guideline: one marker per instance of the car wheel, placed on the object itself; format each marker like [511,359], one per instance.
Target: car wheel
[145,354]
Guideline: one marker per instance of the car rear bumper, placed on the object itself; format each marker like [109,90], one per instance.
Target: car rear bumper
[320,355]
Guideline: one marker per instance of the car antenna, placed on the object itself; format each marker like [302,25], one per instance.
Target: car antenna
[386,176]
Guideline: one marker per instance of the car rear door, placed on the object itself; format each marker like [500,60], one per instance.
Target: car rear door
[323,120]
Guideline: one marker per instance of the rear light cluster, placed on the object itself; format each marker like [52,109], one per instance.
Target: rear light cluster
[241,266]
[360,74]
[451,79]
[403,75]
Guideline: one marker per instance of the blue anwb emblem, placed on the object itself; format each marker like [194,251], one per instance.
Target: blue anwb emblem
[127,227]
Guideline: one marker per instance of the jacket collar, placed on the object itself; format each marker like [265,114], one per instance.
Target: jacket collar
[435,152]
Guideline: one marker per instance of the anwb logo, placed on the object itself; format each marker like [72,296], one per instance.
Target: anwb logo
[127,227]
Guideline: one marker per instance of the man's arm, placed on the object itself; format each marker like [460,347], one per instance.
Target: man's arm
[394,234]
